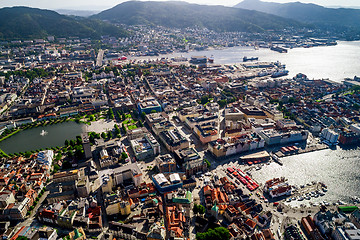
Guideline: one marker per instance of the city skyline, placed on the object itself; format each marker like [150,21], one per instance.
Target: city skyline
[95,5]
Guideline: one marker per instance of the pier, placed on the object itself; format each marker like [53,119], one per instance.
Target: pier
[310,148]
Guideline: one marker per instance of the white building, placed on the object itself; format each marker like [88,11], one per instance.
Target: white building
[45,157]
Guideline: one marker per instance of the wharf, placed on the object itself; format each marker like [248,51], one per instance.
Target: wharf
[310,148]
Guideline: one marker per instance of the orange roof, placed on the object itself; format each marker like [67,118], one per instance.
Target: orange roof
[207,188]
[222,207]
[250,223]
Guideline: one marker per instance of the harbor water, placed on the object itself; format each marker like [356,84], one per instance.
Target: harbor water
[337,169]
[333,62]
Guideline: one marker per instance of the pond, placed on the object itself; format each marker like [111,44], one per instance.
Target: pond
[42,137]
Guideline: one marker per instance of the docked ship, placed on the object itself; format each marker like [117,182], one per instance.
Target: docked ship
[246,59]
[211,59]
[279,73]
[279,49]
[198,60]
[277,187]
[276,158]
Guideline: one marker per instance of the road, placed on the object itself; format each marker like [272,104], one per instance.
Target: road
[30,220]
[100,58]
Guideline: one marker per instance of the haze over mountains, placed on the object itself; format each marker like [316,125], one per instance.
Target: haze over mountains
[248,16]
[182,15]
[340,19]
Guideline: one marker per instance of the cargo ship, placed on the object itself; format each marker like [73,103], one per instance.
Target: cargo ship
[246,59]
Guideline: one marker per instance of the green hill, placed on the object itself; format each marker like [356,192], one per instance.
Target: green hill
[332,19]
[26,23]
[182,15]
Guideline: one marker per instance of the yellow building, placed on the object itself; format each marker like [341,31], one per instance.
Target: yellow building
[124,207]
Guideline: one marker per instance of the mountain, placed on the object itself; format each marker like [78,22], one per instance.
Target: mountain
[182,15]
[340,19]
[26,23]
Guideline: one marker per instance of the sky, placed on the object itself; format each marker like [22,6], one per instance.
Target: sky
[104,4]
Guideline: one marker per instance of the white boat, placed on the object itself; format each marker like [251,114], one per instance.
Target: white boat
[43,133]
[300,198]
[307,197]
[288,200]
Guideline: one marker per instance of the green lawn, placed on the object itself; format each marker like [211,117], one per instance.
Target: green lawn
[130,127]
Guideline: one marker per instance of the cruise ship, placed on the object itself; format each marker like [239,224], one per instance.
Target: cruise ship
[280,73]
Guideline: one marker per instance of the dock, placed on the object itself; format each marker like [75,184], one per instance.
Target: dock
[311,148]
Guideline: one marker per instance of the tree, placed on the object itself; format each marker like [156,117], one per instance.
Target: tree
[27,154]
[117,129]
[196,209]
[110,113]
[143,115]
[201,209]
[78,140]
[22,237]
[70,154]
[204,99]
[56,168]
[66,143]
[123,156]
[153,111]
[124,128]
[207,163]
[140,123]
[103,135]
[109,134]
[222,103]
[219,233]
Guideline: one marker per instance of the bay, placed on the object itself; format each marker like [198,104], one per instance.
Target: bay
[332,62]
